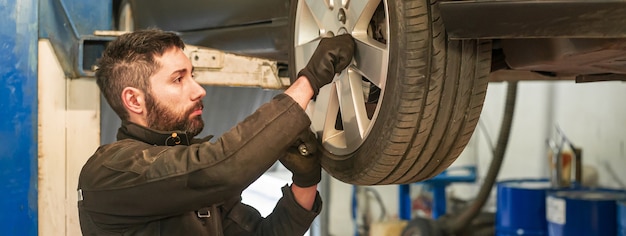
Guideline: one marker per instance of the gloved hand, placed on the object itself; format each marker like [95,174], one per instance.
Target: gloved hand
[331,56]
[303,160]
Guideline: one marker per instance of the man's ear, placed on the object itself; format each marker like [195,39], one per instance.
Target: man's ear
[134,101]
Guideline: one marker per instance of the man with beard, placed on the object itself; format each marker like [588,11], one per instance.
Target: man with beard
[157,179]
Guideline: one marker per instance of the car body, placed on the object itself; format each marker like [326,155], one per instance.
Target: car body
[254,28]
[562,32]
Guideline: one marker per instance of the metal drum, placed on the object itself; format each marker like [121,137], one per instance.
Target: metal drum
[582,212]
[621,218]
[521,207]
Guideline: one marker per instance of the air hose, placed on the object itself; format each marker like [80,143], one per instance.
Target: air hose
[456,224]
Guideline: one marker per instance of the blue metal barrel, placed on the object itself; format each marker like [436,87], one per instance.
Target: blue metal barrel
[583,212]
[521,207]
[621,218]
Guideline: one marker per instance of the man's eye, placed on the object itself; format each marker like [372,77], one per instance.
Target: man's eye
[178,79]
[193,74]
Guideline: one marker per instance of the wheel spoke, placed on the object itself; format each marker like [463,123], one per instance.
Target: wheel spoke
[371,56]
[360,13]
[307,25]
[303,53]
[326,110]
[322,13]
[352,107]
[371,59]
[345,3]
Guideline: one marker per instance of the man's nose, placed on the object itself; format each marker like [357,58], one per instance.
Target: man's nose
[198,92]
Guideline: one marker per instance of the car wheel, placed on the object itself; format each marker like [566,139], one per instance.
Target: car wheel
[407,105]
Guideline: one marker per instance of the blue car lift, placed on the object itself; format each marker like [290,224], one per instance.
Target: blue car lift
[18,125]
[69,25]
[438,186]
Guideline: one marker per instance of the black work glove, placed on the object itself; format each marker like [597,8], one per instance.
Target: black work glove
[331,56]
[303,160]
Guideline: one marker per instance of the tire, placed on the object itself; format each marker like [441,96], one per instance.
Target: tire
[408,104]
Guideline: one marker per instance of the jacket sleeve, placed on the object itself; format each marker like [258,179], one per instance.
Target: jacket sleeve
[142,180]
[287,218]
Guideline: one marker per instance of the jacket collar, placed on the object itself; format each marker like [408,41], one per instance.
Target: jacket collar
[150,136]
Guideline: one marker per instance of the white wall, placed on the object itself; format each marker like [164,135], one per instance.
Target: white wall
[68,135]
[592,115]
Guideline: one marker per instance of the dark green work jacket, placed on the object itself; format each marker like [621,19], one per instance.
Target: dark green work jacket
[165,183]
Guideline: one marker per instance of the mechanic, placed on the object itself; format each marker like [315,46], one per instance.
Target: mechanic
[157,179]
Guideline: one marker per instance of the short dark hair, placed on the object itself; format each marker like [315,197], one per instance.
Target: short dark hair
[129,61]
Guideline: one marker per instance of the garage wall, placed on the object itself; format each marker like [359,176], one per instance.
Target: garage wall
[597,122]
[68,135]
[592,115]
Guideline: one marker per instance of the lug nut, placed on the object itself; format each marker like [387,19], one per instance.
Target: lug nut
[303,150]
[342,16]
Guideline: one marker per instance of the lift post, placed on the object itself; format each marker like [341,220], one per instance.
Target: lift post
[18,125]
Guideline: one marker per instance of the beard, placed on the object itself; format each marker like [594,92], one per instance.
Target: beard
[162,118]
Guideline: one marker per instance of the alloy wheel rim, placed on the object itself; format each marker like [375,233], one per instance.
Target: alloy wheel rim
[345,111]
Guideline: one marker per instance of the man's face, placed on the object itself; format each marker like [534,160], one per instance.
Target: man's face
[175,99]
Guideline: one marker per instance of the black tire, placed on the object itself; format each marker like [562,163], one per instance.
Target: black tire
[429,103]
[422,227]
